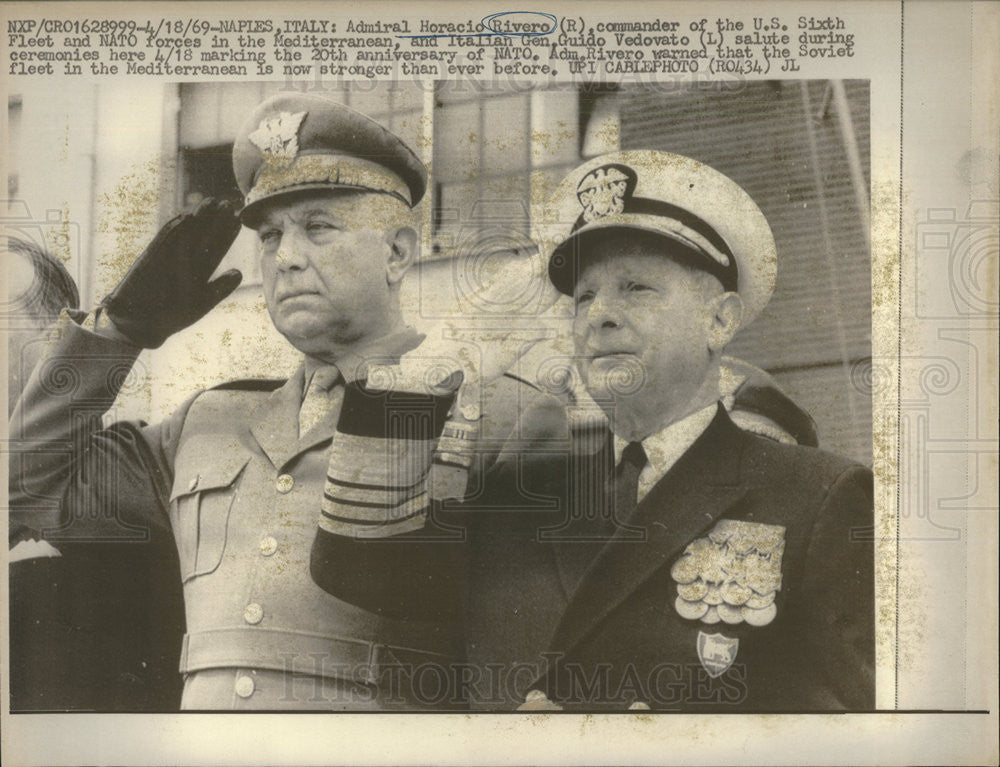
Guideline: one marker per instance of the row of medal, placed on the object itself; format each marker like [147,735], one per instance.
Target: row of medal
[721,582]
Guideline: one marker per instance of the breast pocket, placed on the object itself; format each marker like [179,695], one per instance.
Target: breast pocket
[200,503]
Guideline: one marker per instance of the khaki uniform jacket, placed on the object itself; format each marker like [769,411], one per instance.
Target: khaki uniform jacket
[229,475]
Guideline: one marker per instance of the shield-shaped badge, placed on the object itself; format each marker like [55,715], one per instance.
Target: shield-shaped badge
[716,652]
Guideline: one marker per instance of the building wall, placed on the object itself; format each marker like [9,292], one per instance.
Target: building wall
[785,143]
[89,167]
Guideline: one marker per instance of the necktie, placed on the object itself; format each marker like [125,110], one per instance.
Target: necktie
[318,399]
[627,480]
[577,554]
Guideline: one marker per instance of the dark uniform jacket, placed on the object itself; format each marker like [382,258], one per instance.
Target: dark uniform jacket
[743,581]
[98,628]
[228,475]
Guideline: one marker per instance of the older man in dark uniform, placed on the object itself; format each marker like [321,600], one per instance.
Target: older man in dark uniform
[239,472]
[687,564]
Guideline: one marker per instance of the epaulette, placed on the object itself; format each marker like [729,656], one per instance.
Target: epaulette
[251,384]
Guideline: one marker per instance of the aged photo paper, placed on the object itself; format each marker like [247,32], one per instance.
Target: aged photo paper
[210,579]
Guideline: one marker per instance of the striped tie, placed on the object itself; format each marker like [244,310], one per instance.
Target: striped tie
[319,398]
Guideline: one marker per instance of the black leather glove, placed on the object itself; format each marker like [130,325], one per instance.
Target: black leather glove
[167,289]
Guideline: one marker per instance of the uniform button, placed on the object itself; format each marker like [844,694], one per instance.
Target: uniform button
[268,545]
[253,613]
[470,412]
[284,483]
[244,686]
[193,484]
[534,696]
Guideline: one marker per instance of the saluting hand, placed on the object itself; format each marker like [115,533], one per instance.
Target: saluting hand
[168,288]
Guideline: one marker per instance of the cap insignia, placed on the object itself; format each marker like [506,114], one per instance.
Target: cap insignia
[277,136]
[602,192]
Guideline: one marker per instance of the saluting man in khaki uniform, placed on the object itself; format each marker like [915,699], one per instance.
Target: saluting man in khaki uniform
[242,473]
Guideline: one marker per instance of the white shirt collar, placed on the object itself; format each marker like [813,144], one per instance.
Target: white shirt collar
[32,549]
[666,446]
